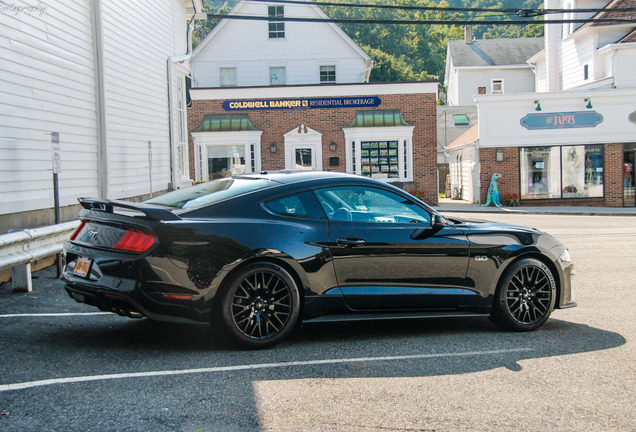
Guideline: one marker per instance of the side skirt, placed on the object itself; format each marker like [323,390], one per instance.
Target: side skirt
[393,316]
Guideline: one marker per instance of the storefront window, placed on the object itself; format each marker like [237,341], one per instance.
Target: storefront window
[540,172]
[594,171]
[562,172]
[224,145]
[582,171]
[379,157]
[380,146]
[386,160]
[225,161]
[629,159]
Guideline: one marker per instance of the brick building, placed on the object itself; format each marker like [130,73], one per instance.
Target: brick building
[384,131]
[573,150]
[573,140]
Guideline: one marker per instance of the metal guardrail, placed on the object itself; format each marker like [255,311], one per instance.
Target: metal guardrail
[18,250]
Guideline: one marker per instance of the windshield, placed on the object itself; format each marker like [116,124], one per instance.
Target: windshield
[210,192]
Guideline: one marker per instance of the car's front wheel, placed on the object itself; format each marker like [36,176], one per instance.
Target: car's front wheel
[525,296]
[260,306]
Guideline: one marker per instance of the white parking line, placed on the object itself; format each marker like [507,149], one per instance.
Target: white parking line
[54,314]
[41,383]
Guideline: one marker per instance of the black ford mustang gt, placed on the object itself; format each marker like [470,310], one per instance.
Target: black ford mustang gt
[257,254]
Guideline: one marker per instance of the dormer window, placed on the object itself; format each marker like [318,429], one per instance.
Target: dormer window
[276,28]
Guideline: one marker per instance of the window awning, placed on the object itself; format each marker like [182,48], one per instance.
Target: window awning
[226,123]
[378,118]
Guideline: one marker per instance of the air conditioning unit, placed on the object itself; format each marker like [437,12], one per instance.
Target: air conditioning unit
[457,193]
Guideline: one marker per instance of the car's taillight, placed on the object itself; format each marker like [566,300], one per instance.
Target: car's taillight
[135,240]
[79,228]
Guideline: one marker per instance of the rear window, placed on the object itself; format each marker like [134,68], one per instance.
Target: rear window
[288,206]
[210,192]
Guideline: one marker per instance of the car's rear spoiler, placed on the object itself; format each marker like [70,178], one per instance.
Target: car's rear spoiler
[107,206]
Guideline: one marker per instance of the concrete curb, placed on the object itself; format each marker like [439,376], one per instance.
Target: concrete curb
[571,211]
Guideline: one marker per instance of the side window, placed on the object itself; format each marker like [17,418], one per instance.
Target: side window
[497,86]
[301,205]
[227,76]
[277,75]
[366,204]
[327,74]
[276,28]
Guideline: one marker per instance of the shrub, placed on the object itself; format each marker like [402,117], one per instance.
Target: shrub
[418,194]
[510,200]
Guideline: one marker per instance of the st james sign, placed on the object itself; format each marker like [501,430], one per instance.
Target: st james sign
[561,120]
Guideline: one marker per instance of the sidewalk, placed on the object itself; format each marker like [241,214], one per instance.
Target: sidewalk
[447,205]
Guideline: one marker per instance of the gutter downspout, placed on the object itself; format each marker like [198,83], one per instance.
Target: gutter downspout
[366,73]
[100,99]
[172,61]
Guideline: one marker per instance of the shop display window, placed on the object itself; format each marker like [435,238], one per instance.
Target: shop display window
[540,172]
[383,152]
[562,172]
[379,157]
[629,158]
[582,171]
[225,161]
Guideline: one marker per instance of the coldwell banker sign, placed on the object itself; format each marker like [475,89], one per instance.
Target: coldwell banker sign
[561,120]
[301,103]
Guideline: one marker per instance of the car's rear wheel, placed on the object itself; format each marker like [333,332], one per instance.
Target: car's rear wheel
[525,296]
[259,307]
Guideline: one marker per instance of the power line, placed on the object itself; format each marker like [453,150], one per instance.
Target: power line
[393,7]
[520,12]
[416,22]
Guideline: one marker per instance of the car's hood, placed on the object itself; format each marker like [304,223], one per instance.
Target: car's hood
[479,225]
[485,232]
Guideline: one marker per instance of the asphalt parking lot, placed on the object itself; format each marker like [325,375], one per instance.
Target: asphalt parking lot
[67,368]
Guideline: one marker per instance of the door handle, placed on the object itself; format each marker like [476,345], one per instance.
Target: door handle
[350,242]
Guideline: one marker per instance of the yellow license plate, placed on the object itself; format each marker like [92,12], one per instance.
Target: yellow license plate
[82,265]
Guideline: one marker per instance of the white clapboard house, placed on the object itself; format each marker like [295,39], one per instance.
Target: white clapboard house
[240,53]
[107,80]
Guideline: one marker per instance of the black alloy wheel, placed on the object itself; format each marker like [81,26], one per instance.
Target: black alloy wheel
[260,306]
[525,297]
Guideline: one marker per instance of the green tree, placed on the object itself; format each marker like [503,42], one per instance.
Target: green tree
[388,68]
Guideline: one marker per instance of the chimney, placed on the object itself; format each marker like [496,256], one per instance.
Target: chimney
[468,34]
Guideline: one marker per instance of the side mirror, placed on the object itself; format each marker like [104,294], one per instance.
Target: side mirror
[437,222]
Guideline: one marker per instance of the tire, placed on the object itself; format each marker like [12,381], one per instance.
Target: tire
[525,296]
[259,307]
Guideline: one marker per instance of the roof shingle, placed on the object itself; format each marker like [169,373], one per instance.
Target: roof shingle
[494,52]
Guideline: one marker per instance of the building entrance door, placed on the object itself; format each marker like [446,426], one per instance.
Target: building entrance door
[629,158]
